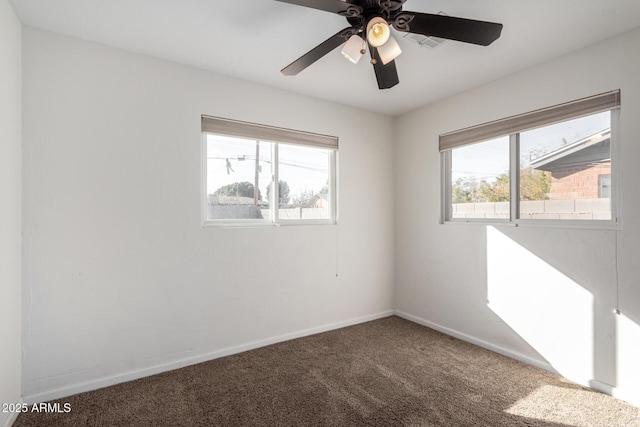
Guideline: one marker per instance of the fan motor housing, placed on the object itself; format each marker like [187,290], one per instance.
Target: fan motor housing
[373,8]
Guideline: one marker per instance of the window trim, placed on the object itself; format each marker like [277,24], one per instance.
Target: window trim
[274,135]
[609,101]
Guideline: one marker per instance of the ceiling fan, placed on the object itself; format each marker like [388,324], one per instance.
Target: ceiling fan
[369,22]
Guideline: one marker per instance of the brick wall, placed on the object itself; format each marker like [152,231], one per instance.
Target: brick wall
[577,182]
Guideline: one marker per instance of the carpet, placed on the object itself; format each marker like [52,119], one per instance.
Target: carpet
[388,372]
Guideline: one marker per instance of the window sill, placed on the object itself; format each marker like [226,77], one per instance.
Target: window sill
[575,225]
[236,224]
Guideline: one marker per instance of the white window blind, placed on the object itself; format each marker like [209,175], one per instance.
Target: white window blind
[546,116]
[247,130]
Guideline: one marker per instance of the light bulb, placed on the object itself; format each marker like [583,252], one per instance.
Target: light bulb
[378,32]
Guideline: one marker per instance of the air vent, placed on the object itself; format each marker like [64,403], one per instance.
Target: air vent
[425,41]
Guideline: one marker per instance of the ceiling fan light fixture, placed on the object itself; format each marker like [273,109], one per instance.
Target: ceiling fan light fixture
[353,49]
[368,18]
[389,51]
[378,31]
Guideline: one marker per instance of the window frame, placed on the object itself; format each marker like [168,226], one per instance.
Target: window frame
[609,101]
[275,136]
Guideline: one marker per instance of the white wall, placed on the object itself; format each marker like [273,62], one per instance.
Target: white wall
[10,208]
[543,295]
[120,279]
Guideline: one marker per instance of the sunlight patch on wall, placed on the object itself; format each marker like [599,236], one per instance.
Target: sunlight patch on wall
[549,310]
[628,359]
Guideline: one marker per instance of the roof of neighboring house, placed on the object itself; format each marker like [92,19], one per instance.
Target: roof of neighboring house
[592,149]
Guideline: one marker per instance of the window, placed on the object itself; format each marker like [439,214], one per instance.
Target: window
[480,180]
[550,164]
[243,162]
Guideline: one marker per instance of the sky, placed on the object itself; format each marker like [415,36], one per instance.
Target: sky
[489,159]
[232,160]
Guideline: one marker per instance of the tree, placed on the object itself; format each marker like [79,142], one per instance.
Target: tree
[283,192]
[306,199]
[534,185]
[464,191]
[325,189]
[496,191]
[237,189]
[472,191]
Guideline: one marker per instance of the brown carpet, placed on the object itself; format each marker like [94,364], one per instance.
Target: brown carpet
[388,372]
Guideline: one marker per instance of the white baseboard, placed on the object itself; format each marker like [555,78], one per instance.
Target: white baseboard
[602,387]
[181,363]
[476,341]
[13,416]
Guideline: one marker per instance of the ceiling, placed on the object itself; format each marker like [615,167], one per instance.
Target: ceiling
[254,39]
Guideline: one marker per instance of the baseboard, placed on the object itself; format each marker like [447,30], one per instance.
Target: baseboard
[13,416]
[476,341]
[602,387]
[181,363]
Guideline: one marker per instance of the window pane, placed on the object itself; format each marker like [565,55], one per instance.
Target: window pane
[565,170]
[304,182]
[238,178]
[480,180]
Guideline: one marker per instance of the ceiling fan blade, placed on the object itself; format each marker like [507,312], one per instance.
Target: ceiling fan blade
[386,75]
[335,6]
[317,52]
[448,27]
